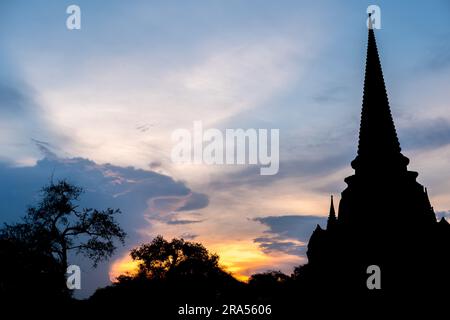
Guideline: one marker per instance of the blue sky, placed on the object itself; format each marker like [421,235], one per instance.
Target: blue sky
[105,99]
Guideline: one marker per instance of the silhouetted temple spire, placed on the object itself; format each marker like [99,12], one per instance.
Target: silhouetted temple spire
[332,215]
[378,142]
[384,218]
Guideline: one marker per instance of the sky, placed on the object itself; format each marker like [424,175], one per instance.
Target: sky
[98,106]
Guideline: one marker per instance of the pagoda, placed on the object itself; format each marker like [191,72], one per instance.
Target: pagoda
[384,218]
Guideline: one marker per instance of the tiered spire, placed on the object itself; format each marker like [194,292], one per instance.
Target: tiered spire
[378,143]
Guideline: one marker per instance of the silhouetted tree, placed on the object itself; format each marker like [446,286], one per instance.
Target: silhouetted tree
[171,273]
[27,274]
[269,278]
[268,285]
[57,225]
[161,258]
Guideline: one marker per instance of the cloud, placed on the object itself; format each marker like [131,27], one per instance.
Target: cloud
[274,244]
[303,168]
[188,236]
[426,134]
[155,165]
[288,234]
[14,99]
[167,209]
[100,104]
[23,122]
[183,221]
[439,57]
[45,148]
[331,94]
[105,185]
[326,154]
[195,201]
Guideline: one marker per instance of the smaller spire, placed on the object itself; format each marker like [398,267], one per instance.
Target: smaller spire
[443,222]
[332,216]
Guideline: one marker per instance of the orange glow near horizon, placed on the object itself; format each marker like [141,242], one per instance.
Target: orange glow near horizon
[122,266]
[241,259]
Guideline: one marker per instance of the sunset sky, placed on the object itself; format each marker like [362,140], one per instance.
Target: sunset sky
[98,106]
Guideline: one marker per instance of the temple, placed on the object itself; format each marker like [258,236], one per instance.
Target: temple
[385,217]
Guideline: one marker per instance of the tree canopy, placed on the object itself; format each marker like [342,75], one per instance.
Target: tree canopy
[40,243]
[161,258]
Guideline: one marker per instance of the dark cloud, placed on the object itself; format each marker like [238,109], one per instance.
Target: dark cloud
[188,236]
[331,94]
[105,185]
[17,97]
[179,221]
[145,127]
[195,201]
[13,99]
[301,168]
[288,234]
[45,148]
[332,152]
[21,115]
[155,165]
[324,165]
[303,158]
[273,244]
[427,134]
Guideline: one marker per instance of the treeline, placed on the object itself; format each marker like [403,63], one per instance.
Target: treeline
[180,272]
[34,254]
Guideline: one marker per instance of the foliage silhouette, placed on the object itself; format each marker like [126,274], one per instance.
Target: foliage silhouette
[41,242]
[270,286]
[170,273]
[163,259]
[27,274]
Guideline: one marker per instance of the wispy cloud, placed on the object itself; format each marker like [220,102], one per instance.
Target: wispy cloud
[426,134]
[289,233]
